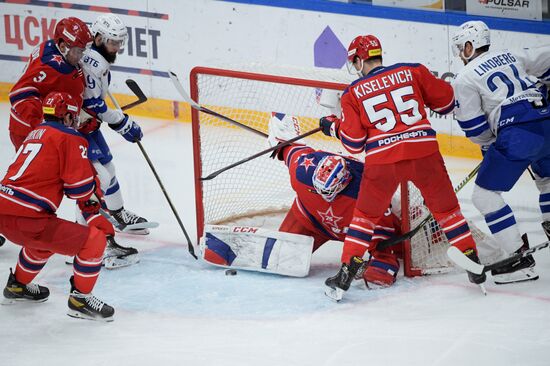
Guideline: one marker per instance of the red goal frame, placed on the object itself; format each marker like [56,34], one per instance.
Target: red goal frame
[404,248]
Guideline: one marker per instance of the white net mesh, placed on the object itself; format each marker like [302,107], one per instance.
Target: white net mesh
[252,193]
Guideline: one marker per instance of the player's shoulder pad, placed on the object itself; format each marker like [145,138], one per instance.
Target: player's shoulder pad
[52,57]
[95,64]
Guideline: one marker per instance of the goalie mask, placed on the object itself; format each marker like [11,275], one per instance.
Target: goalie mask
[331,176]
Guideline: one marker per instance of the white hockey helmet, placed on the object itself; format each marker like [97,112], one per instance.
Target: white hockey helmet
[111,28]
[476,32]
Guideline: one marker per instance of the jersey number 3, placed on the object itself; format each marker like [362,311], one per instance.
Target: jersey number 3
[384,118]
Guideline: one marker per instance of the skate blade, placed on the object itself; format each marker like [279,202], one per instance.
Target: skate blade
[132,231]
[483,289]
[335,294]
[79,315]
[120,262]
[6,301]
[523,275]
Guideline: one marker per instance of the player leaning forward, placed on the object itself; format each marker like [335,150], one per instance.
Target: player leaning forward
[383,114]
[53,161]
[109,36]
[500,108]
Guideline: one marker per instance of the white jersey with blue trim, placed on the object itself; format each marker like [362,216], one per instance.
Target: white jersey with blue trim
[98,76]
[496,79]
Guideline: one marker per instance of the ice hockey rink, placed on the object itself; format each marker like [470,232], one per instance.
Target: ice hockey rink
[174,310]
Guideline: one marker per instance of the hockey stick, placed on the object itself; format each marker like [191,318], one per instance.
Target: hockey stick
[195,105]
[263,152]
[398,239]
[137,90]
[515,257]
[134,87]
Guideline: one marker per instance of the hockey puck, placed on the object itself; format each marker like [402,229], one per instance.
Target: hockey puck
[231,272]
[2,240]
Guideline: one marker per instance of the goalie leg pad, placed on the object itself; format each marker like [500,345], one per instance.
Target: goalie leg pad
[257,249]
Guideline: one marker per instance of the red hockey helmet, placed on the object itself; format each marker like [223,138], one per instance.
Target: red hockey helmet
[364,47]
[58,104]
[74,32]
[331,176]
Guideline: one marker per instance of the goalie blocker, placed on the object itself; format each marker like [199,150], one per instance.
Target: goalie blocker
[257,249]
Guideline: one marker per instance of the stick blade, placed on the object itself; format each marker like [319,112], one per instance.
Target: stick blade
[179,87]
[134,87]
[464,262]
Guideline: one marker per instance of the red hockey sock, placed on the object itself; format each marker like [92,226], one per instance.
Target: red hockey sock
[87,263]
[456,230]
[30,262]
[359,236]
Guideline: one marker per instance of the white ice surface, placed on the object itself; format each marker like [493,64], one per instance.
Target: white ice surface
[173,310]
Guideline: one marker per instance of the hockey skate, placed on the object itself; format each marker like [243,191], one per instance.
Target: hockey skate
[117,256]
[477,279]
[519,271]
[87,306]
[128,222]
[340,283]
[16,291]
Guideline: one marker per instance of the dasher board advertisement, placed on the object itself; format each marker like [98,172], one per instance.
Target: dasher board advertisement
[518,9]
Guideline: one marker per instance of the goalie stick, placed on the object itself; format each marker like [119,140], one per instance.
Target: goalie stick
[198,107]
[139,93]
[408,235]
[258,154]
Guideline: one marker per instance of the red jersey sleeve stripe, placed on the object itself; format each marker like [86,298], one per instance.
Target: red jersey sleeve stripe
[446,109]
[78,184]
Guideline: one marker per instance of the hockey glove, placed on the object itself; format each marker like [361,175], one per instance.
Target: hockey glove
[129,129]
[88,122]
[330,125]
[96,201]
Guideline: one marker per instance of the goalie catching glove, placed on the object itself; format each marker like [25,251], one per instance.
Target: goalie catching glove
[282,127]
[256,249]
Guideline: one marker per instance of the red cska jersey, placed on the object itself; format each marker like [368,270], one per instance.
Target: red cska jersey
[383,113]
[45,72]
[331,219]
[51,162]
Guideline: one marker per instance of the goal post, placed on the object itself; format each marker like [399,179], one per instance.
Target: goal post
[258,193]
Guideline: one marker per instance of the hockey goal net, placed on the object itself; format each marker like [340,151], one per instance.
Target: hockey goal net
[258,193]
